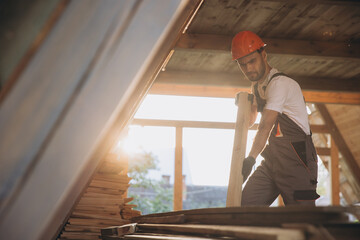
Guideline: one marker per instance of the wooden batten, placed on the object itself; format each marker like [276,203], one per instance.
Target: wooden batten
[233,198]
[335,174]
[178,183]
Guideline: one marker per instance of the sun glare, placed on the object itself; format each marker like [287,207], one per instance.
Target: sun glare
[130,144]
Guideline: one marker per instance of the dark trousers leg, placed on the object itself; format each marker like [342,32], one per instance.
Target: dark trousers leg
[260,190]
[288,186]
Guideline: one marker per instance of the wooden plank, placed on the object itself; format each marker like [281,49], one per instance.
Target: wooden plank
[226,231]
[70,234]
[76,214]
[350,231]
[241,131]
[102,195]
[335,174]
[79,236]
[166,237]
[316,232]
[340,142]
[274,46]
[108,184]
[289,210]
[166,219]
[114,208]
[178,177]
[124,179]
[126,200]
[97,222]
[266,219]
[108,211]
[111,167]
[100,201]
[74,228]
[332,97]
[323,151]
[317,128]
[105,190]
[187,124]
[230,92]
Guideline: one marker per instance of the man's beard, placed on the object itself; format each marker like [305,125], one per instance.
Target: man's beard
[259,74]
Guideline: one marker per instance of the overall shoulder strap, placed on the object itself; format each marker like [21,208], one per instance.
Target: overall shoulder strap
[261,102]
[276,75]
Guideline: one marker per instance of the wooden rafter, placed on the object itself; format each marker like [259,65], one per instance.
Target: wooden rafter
[335,174]
[274,46]
[339,141]
[238,80]
[230,92]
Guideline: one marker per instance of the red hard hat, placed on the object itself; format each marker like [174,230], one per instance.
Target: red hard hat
[244,43]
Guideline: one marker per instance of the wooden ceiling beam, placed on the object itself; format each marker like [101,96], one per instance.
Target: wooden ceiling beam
[230,92]
[238,81]
[274,46]
[340,142]
[203,78]
[328,2]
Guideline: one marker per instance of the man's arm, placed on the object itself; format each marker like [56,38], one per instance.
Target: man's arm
[267,121]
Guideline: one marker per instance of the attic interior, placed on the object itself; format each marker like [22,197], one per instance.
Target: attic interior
[74,74]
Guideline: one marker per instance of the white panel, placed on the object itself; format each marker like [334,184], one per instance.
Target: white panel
[31,110]
[65,103]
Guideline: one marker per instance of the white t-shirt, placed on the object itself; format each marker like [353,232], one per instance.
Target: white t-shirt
[284,95]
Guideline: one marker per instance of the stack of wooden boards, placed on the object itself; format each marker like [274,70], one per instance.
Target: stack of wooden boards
[292,222]
[103,203]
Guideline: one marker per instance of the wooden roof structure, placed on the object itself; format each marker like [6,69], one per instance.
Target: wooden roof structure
[314,42]
[60,57]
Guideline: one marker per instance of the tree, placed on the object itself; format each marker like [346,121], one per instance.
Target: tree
[150,196]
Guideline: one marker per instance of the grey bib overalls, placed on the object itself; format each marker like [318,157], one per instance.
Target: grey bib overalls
[289,167]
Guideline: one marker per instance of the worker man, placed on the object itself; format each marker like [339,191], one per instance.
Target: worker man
[289,167]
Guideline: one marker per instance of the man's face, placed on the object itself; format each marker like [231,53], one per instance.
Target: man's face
[253,66]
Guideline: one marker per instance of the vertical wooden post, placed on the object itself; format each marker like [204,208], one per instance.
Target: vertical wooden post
[178,180]
[334,174]
[238,155]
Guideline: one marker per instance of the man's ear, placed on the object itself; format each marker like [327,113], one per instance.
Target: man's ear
[264,54]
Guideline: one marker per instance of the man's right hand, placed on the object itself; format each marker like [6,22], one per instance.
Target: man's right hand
[248,163]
